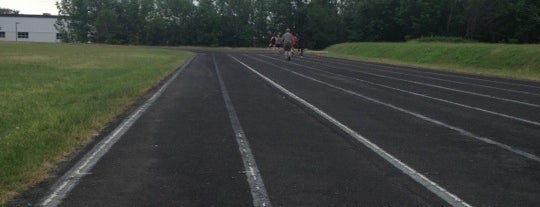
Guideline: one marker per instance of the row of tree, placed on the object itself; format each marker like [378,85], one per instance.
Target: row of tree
[8,11]
[321,22]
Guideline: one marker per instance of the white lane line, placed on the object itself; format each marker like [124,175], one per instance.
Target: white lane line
[415,175]
[434,121]
[445,88]
[417,94]
[70,179]
[444,80]
[254,178]
[464,83]
[405,68]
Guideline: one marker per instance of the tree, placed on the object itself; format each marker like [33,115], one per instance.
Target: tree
[516,21]
[206,24]
[75,12]
[454,18]
[372,20]
[8,11]
[322,22]
[281,15]
[132,17]
[420,18]
[259,21]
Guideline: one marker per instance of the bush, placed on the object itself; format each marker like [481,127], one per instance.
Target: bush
[443,39]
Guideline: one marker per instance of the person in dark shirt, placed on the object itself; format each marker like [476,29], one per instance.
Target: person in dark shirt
[300,44]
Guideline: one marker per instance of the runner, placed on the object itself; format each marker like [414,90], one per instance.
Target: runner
[287,43]
[300,44]
[294,44]
[273,40]
[279,43]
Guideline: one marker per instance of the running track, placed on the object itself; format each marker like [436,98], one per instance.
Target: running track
[251,129]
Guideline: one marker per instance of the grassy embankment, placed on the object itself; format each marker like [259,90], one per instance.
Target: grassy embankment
[55,97]
[502,60]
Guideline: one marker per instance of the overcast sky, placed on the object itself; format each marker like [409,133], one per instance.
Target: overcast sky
[31,6]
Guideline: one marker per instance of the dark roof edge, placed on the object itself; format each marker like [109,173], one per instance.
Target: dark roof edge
[29,15]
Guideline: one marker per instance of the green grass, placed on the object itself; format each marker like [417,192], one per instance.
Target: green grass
[442,39]
[503,60]
[54,98]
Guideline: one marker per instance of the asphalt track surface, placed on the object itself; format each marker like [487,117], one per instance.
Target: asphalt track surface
[252,129]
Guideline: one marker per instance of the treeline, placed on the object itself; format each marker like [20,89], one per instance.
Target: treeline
[322,22]
[8,11]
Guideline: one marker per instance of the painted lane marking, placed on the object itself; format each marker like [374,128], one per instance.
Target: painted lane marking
[425,118]
[254,178]
[446,88]
[70,179]
[444,80]
[415,175]
[418,94]
[434,73]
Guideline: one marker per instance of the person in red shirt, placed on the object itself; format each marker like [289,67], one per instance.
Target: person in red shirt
[294,42]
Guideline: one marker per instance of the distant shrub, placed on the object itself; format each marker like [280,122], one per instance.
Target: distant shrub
[513,41]
[443,39]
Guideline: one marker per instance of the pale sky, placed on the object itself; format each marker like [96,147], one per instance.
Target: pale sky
[31,6]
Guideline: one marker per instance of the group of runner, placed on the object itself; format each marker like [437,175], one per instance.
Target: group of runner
[289,42]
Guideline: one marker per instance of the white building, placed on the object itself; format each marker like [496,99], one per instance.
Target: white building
[28,28]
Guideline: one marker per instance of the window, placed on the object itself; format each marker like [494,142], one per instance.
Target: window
[58,36]
[23,35]
[2,34]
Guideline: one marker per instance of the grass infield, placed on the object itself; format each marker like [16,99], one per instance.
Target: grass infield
[54,98]
[501,60]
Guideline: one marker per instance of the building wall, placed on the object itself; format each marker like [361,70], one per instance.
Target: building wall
[39,28]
